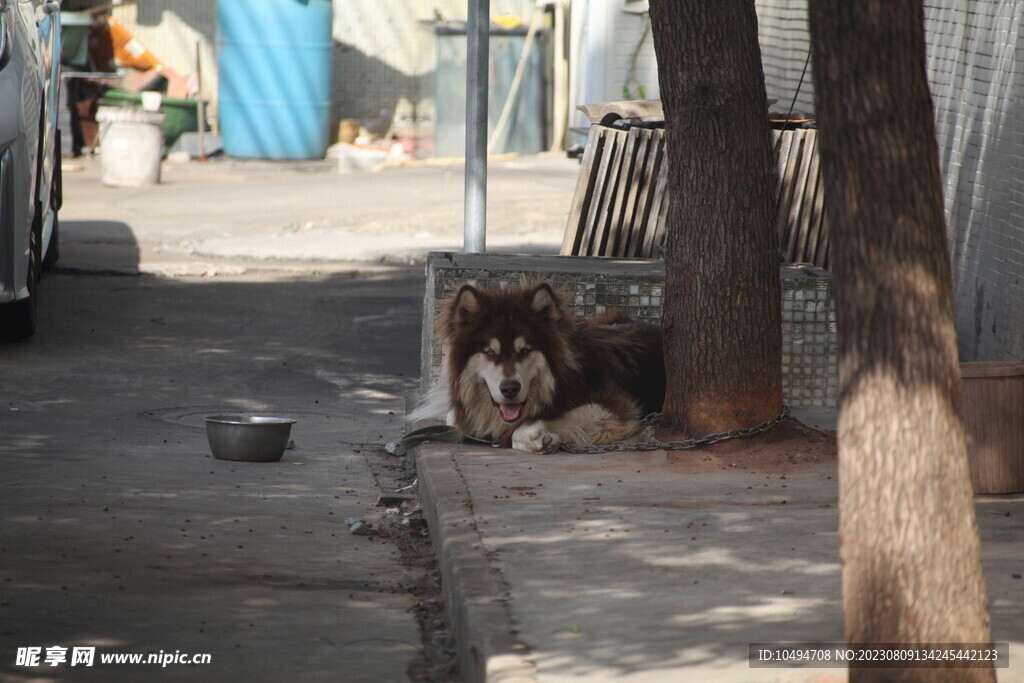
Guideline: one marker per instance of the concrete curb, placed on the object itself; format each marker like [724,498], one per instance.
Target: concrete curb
[475,593]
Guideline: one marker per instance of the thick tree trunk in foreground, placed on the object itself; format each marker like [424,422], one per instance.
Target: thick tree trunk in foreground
[909,539]
[723,339]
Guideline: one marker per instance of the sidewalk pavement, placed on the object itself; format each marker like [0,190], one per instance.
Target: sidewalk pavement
[631,567]
[658,566]
[229,216]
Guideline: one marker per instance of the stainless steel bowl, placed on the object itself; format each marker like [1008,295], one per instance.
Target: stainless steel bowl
[250,438]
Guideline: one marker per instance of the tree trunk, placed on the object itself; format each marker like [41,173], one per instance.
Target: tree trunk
[722,319]
[909,538]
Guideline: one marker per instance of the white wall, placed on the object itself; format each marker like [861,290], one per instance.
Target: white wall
[610,50]
[171,29]
[383,53]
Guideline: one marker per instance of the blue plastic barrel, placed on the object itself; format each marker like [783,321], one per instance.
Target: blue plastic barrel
[274,62]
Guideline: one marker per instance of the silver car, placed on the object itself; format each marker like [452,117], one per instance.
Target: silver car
[30,191]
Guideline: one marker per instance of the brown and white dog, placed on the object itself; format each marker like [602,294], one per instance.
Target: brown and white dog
[521,369]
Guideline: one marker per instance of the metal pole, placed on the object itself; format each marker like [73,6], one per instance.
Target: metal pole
[200,105]
[478,46]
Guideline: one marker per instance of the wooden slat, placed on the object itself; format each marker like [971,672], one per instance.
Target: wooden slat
[821,256]
[812,218]
[786,173]
[661,204]
[648,238]
[616,223]
[798,208]
[803,236]
[825,261]
[602,163]
[602,222]
[621,202]
[993,401]
[584,191]
[641,178]
[599,170]
[781,142]
[657,206]
[797,177]
[639,203]
[632,174]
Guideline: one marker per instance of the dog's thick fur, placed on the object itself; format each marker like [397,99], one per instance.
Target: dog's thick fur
[521,369]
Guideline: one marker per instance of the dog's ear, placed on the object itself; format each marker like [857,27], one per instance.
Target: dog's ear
[465,304]
[545,301]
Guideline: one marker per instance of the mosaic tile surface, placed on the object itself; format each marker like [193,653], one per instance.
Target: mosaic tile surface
[808,313]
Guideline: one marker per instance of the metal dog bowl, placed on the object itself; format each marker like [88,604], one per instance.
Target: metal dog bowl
[250,438]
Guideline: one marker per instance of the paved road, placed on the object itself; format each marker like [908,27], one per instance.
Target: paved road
[263,288]
[226,216]
[120,531]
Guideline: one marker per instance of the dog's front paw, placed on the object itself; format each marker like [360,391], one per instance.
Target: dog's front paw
[535,438]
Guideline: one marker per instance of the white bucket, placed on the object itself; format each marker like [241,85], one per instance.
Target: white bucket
[131,146]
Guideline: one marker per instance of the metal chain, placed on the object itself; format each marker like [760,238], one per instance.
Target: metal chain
[686,444]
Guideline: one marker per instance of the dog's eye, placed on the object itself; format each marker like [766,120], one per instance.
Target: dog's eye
[488,351]
[525,351]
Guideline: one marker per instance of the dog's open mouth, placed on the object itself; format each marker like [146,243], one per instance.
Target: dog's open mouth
[510,412]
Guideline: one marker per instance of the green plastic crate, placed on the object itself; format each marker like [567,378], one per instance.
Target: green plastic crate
[181,116]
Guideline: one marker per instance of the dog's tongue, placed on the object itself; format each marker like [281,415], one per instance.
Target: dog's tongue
[510,411]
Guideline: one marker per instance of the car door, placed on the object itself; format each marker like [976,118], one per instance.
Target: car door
[46,17]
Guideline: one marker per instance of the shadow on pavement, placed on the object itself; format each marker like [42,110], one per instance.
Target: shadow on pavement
[99,246]
[120,531]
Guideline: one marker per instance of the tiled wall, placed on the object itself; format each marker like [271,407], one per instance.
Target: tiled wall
[594,285]
[809,351]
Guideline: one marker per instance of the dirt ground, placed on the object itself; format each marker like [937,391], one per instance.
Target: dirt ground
[787,447]
[402,523]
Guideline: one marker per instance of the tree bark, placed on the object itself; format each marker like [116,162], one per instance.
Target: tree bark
[722,319]
[909,539]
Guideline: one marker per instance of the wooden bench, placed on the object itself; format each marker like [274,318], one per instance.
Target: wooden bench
[621,201]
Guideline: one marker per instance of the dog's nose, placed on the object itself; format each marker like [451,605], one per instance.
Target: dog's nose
[510,388]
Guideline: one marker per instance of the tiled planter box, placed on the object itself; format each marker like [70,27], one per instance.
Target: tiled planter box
[636,287]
